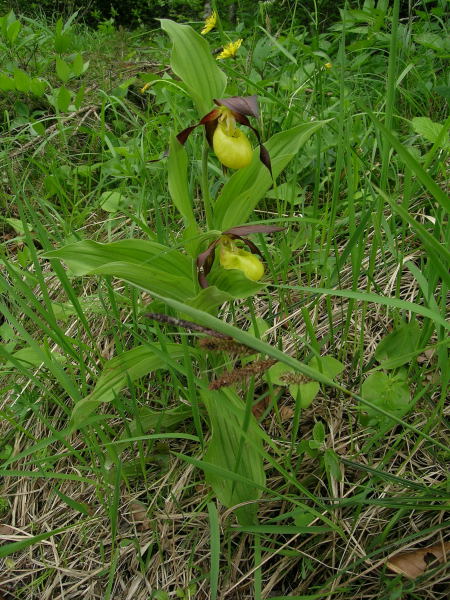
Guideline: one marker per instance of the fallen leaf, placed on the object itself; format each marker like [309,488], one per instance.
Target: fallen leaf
[7,530]
[286,413]
[138,512]
[417,562]
[260,407]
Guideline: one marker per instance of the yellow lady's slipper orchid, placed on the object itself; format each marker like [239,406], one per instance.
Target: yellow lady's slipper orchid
[232,149]
[233,257]
[210,23]
[230,49]
[231,146]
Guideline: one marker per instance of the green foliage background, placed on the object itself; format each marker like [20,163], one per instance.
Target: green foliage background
[132,13]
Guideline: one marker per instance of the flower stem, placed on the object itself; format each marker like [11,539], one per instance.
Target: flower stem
[205,186]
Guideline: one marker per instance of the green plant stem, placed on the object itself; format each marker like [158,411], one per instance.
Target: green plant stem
[205,187]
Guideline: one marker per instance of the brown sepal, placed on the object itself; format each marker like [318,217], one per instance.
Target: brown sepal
[253,247]
[242,105]
[264,157]
[183,135]
[209,120]
[209,131]
[205,262]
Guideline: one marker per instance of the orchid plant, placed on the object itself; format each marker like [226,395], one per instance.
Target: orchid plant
[208,273]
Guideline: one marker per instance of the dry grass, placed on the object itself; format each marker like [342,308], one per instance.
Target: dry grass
[169,548]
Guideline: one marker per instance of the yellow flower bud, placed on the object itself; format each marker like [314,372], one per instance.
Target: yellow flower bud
[232,146]
[210,23]
[232,257]
[229,51]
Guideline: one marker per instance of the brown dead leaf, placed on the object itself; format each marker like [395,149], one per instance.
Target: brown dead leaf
[286,413]
[415,563]
[7,530]
[260,407]
[138,512]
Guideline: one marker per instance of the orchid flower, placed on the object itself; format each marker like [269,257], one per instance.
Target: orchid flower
[231,256]
[230,144]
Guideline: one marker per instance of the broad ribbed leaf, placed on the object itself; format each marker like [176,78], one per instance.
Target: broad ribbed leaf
[236,450]
[246,187]
[149,279]
[85,256]
[178,182]
[235,283]
[117,372]
[146,264]
[192,61]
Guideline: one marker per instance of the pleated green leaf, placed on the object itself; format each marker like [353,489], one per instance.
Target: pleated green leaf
[85,256]
[178,182]
[144,263]
[230,449]
[117,372]
[246,187]
[192,61]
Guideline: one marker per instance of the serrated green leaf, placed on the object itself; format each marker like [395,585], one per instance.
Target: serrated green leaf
[389,392]
[428,129]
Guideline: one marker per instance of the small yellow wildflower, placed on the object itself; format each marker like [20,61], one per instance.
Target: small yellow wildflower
[210,23]
[230,50]
[328,66]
